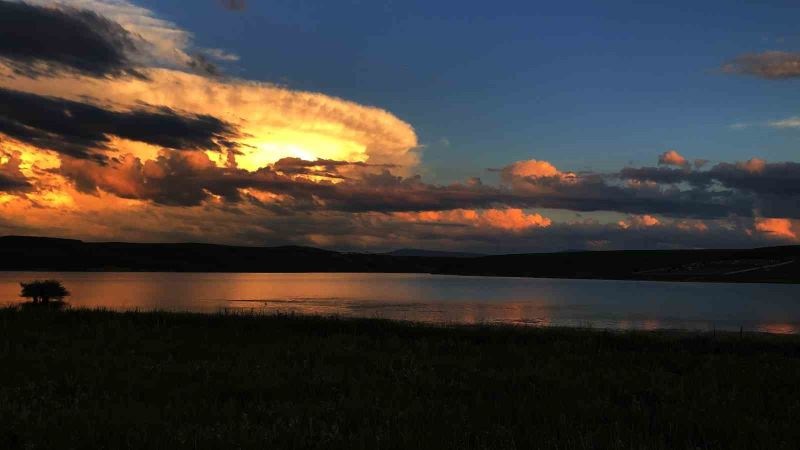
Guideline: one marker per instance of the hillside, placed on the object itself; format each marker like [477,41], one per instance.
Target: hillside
[772,264]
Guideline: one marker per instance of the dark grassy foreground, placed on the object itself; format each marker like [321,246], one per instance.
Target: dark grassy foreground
[84,379]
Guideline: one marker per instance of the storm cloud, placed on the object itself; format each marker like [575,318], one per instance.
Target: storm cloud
[81,129]
[772,188]
[37,40]
[175,178]
[11,177]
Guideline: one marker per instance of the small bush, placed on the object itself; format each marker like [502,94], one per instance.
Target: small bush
[44,292]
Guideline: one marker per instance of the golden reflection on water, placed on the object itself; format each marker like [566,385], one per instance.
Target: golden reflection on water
[650,325]
[780,328]
[430,298]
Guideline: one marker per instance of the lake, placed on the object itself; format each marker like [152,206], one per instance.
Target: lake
[773,308]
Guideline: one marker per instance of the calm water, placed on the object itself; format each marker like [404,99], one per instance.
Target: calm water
[441,298]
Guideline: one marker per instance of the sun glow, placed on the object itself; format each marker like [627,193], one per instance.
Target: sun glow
[273,122]
[270,146]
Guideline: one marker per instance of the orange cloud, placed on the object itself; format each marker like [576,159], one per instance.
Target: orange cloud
[772,65]
[673,158]
[274,122]
[643,221]
[779,228]
[520,173]
[533,168]
[687,225]
[511,219]
[753,165]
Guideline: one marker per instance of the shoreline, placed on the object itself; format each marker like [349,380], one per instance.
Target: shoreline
[256,314]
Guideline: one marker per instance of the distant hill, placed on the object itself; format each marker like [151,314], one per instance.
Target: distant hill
[431,253]
[772,264]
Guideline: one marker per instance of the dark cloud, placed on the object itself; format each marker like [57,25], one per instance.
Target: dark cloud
[663,175]
[80,129]
[176,178]
[774,186]
[11,177]
[772,65]
[9,183]
[598,192]
[202,64]
[754,176]
[36,40]
[773,189]
[759,177]
[349,211]
[326,168]
[189,179]
[234,5]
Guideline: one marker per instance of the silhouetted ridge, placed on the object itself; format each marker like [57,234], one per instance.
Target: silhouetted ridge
[431,253]
[771,264]
[26,241]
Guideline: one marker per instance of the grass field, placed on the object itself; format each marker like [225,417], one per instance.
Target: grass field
[93,379]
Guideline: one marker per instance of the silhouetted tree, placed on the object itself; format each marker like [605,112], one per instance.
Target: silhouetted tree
[41,292]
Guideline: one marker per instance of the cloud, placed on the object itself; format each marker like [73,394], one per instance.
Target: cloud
[81,130]
[771,65]
[664,175]
[173,179]
[791,122]
[176,178]
[104,216]
[770,188]
[638,222]
[653,192]
[523,172]
[178,151]
[11,177]
[274,122]
[326,168]
[510,219]
[157,42]
[234,5]
[370,231]
[531,168]
[778,228]
[37,40]
[691,226]
[672,158]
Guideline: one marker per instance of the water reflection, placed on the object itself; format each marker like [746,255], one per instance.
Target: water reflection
[429,298]
[779,328]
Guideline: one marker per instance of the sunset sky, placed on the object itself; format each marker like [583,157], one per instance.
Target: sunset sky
[504,126]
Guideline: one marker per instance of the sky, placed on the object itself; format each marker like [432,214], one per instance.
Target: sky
[495,127]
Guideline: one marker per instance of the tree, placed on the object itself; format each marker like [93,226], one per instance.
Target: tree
[41,292]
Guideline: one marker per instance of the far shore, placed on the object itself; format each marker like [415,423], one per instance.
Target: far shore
[758,265]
